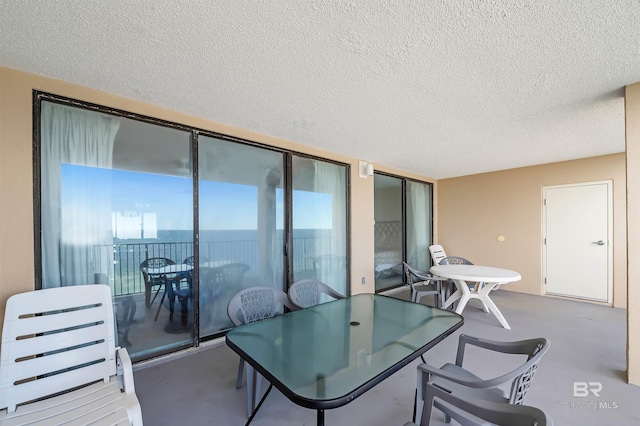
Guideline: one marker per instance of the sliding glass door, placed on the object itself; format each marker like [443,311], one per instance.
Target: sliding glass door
[319,203]
[388,231]
[119,205]
[241,224]
[403,228]
[116,197]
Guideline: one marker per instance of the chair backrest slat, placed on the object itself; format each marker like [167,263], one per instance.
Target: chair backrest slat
[437,253]
[56,339]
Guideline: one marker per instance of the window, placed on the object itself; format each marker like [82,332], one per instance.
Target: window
[118,203]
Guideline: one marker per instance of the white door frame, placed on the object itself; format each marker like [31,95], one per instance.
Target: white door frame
[609,184]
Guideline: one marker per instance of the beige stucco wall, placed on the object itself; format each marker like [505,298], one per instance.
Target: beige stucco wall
[632,119]
[475,210]
[16,181]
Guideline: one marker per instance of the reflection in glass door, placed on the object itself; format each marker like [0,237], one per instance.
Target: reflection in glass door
[320,222]
[403,228]
[117,207]
[388,231]
[240,189]
[117,202]
[419,228]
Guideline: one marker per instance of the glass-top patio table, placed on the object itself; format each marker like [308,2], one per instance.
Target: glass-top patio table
[326,356]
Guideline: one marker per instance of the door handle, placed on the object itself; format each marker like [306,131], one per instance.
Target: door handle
[599,242]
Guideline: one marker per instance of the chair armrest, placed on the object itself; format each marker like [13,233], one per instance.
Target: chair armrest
[425,368]
[472,383]
[125,371]
[519,347]
[331,292]
[428,277]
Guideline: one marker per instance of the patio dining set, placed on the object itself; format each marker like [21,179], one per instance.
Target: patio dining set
[281,338]
[290,350]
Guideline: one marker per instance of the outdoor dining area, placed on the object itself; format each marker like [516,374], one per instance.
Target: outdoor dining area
[440,348]
[208,378]
[290,350]
[320,213]
[314,347]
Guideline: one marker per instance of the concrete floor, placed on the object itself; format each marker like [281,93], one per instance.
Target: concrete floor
[588,344]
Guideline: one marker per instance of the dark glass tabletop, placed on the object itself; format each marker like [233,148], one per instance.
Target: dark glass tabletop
[327,355]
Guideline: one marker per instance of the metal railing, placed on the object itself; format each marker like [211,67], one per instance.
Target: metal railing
[125,278]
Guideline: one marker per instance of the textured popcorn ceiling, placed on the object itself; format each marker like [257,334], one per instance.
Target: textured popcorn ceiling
[440,88]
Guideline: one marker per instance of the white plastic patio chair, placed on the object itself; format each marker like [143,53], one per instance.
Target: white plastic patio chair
[308,292]
[61,341]
[437,253]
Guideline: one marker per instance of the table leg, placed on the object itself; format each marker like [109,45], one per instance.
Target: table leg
[451,299]
[255,411]
[484,296]
[462,293]
[320,421]
[476,290]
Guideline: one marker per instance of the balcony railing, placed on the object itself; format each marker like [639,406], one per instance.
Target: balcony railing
[125,278]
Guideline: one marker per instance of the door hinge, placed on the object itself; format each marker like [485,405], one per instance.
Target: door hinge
[545,280]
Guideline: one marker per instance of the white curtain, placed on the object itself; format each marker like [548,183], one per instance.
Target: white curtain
[418,229]
[331,253]
[77,236]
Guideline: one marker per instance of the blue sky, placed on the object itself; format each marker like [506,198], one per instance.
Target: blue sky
[223,206]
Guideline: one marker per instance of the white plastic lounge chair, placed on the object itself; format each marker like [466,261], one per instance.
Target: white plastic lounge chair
[58,348]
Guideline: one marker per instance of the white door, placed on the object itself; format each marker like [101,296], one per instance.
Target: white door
[578,240]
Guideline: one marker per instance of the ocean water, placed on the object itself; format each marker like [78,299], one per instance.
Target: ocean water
[241,246]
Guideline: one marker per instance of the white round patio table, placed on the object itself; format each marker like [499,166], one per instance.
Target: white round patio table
[488,275]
